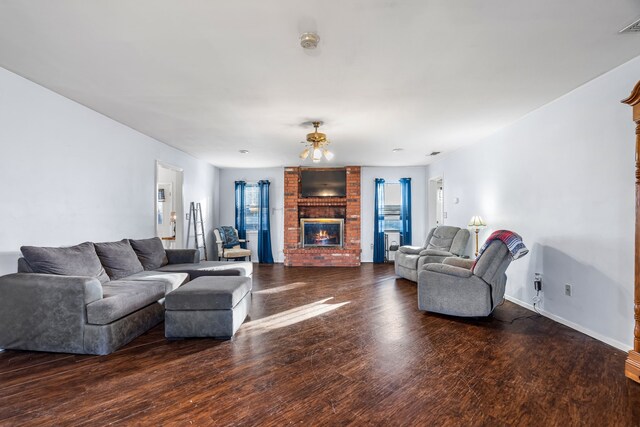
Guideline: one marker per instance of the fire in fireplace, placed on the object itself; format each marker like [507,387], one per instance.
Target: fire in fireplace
[321,231]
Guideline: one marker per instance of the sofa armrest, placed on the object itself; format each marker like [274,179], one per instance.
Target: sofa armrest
[435,252]
[459,262]
[183,256]
[449,270]
[414,250]
[45,312]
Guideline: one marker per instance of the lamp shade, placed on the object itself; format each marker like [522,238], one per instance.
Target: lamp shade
[327,154]
[477,221]
[316,155]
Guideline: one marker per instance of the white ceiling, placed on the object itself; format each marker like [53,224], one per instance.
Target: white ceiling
[212,77]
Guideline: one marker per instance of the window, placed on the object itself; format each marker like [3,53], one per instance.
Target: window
[391,210]
[251,206]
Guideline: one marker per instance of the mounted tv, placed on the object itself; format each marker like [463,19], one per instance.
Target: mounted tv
[323,182]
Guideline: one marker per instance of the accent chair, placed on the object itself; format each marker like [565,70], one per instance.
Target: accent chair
[234,252]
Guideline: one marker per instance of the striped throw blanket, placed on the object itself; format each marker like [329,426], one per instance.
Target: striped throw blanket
[512,240]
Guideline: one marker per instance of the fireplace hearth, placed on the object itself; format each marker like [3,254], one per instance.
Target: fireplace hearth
[320,232]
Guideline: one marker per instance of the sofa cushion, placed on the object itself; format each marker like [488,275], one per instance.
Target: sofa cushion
[435,252]
[459,262]
[209,293]
[171,280]
[442,238]
[211,268]
[118,259]
[79,260]
[450,270]
[411,249]
[237,253]
[408,261]
[181,256]
[123,297]
[150,252]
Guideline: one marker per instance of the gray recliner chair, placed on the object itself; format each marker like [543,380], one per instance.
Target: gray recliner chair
[442,242]
[454,288]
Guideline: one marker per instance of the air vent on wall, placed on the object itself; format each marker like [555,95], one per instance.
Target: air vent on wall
[634,27]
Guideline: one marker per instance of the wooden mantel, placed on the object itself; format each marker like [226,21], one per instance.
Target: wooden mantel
[632,365]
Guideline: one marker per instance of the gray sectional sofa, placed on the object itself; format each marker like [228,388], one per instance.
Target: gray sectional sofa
[93,298]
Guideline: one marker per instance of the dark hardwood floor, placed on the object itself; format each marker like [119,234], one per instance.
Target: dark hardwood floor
[332,347]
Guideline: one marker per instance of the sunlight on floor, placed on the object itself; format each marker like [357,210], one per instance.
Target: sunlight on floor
[290,317]
[278,289]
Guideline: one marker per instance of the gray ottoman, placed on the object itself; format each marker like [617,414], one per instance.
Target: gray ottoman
[208,306]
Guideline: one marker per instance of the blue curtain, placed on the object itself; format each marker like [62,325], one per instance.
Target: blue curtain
[405,211]
[241,224]
[378,224]
[264,225]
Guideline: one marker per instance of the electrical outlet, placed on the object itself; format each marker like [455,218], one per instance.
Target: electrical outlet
[567,290]
[372,246]
[444,215]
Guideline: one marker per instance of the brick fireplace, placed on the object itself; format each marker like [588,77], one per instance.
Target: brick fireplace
[346,209]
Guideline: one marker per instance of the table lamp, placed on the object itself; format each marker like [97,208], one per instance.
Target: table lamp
[477,223]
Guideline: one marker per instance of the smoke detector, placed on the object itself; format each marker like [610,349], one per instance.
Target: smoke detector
[309,40]
[634,27]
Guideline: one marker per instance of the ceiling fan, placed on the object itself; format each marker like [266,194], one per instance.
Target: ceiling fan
[316,146]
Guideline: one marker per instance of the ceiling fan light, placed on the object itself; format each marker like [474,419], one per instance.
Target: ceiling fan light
[328,154]
[316,146]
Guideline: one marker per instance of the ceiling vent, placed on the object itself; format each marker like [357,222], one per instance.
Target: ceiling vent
[634,27]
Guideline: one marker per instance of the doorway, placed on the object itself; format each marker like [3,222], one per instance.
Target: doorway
[169,207]
[436,202]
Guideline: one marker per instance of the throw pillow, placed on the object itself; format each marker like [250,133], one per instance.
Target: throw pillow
[118,259]
[228,236]
[79,260]
[150,252]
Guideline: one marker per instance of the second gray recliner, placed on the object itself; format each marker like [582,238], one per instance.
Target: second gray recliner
[442,242]
[458,288]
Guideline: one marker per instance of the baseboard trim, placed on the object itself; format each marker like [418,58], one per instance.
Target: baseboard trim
[607,340]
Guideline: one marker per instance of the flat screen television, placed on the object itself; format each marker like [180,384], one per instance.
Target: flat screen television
[323,182]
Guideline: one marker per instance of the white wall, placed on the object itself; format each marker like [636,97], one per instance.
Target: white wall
[276,176]
[70,174]
[276,203]
[418,202]
[562,177]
